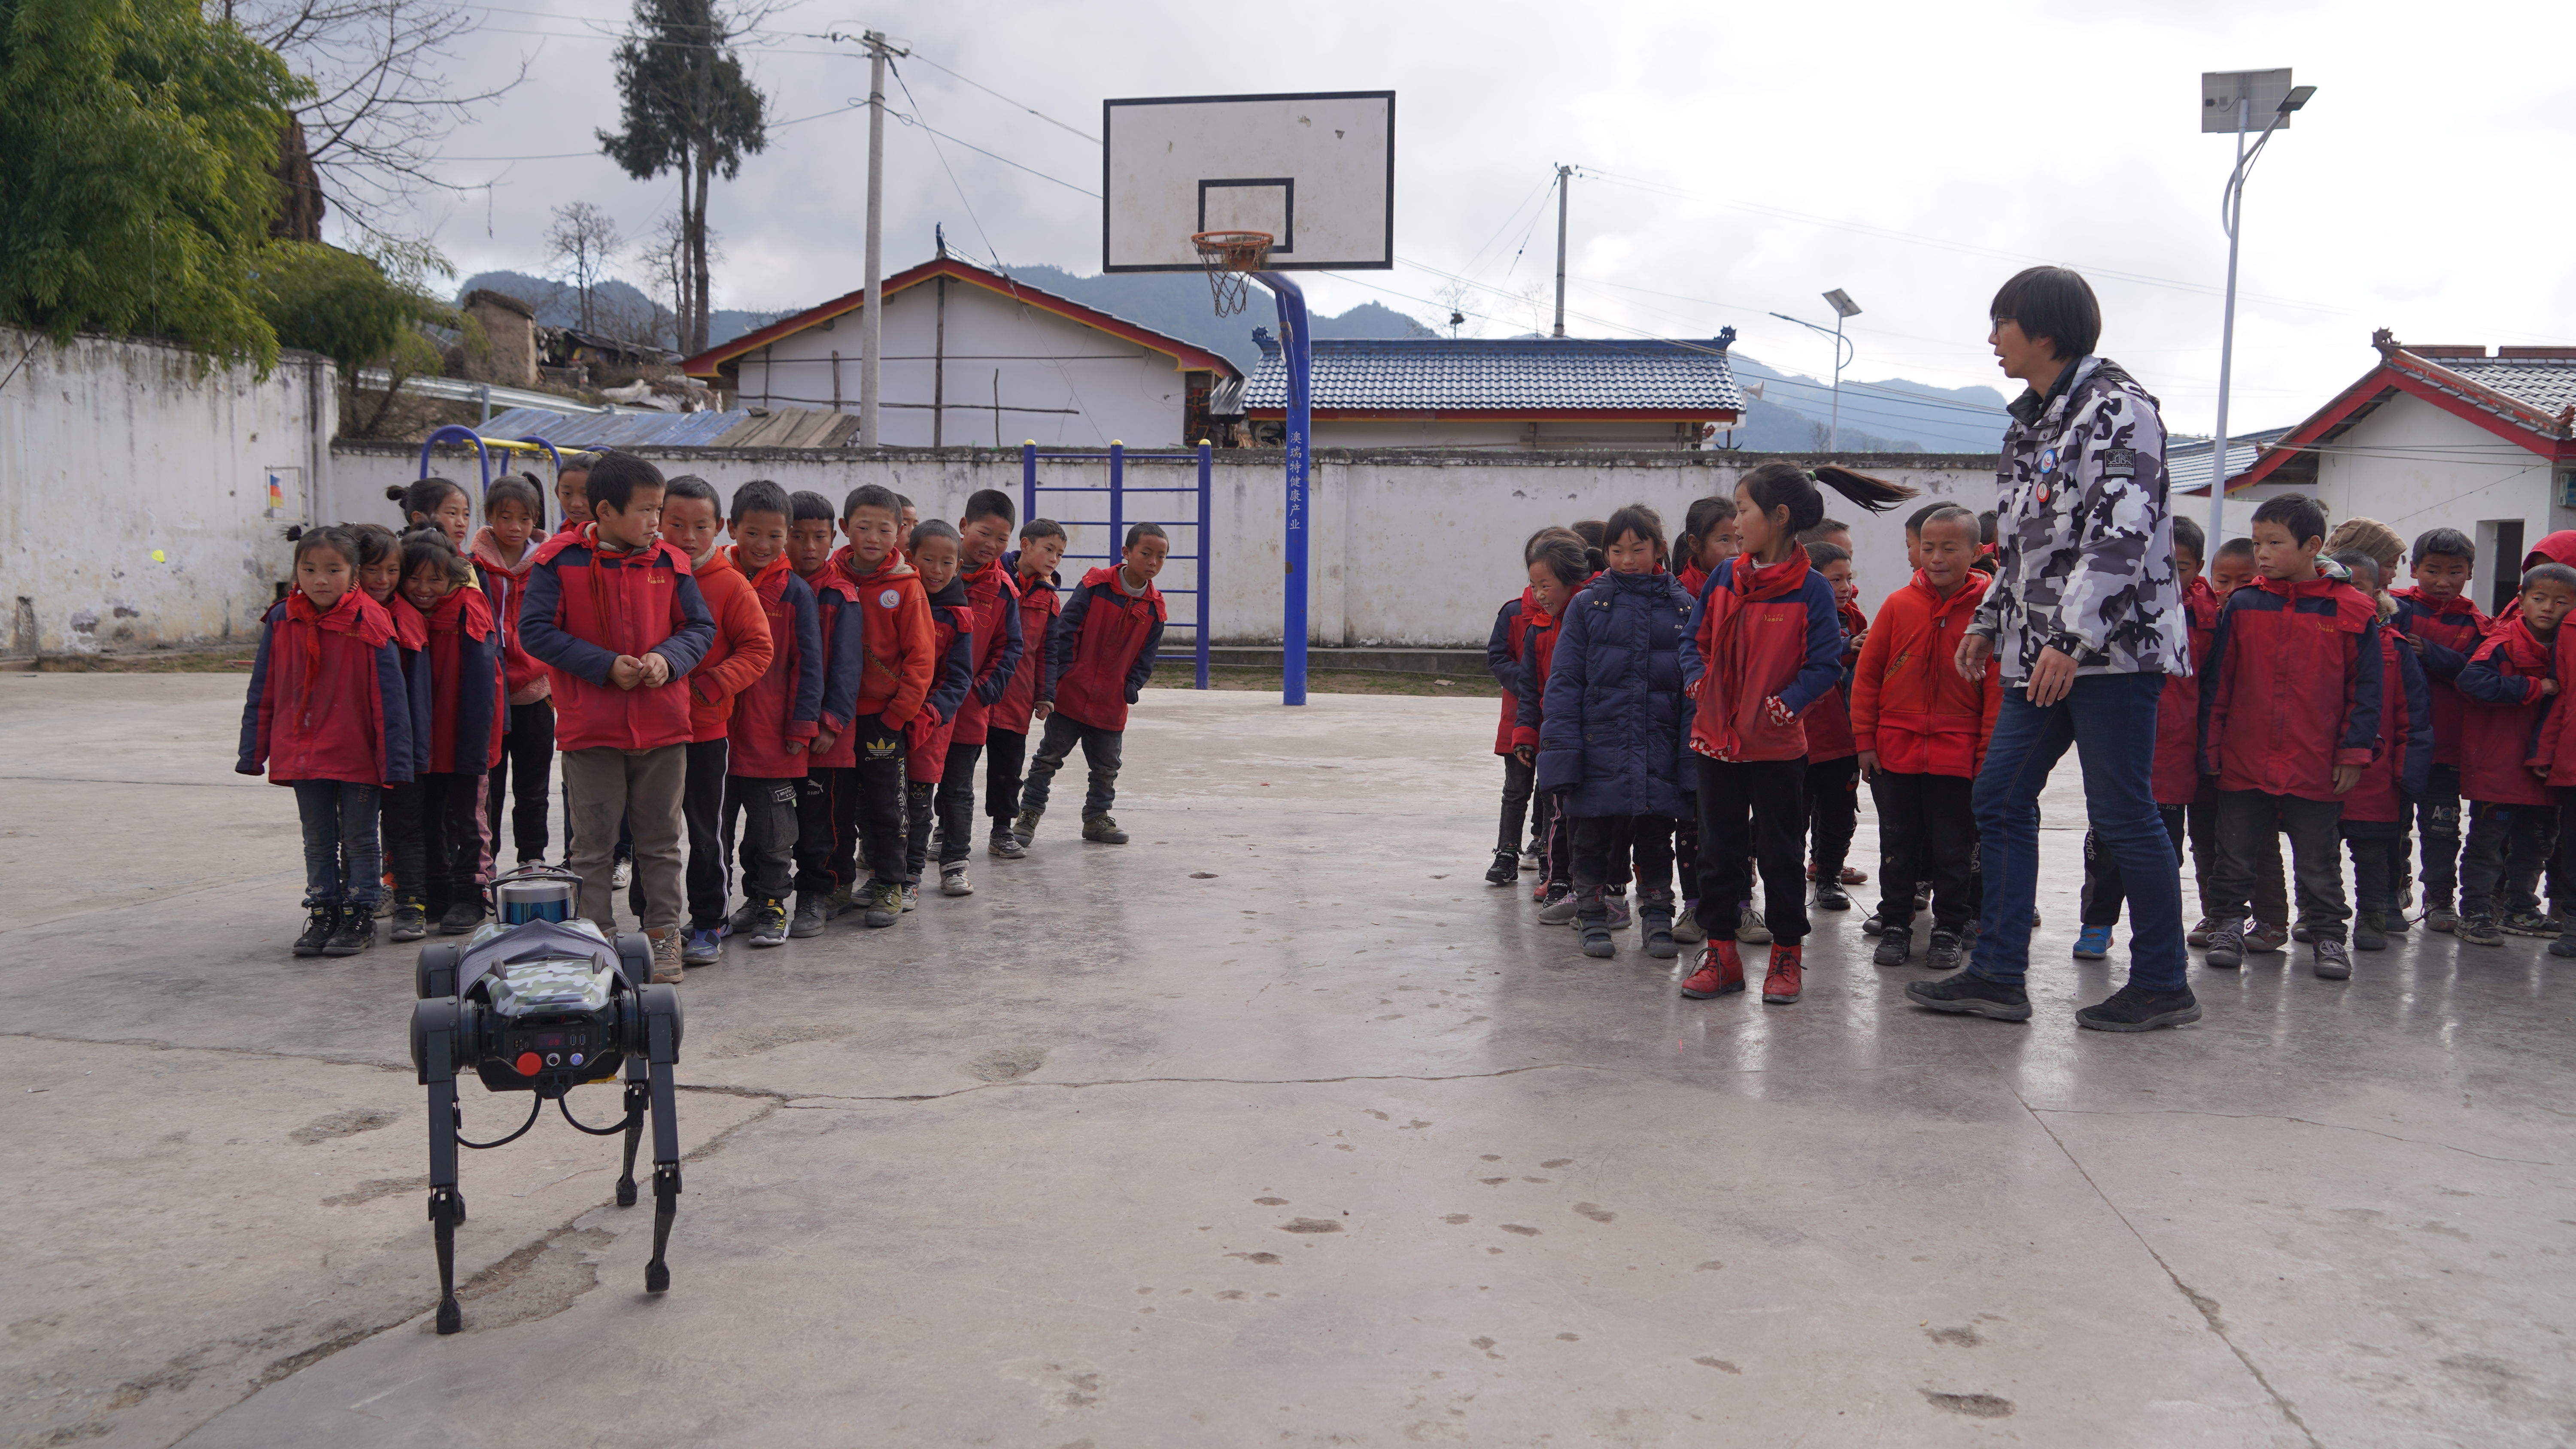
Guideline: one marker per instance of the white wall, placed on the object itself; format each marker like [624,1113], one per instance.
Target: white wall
[1499,434]
[2414,466]
[1406,548]
[1106,388]
[114,451]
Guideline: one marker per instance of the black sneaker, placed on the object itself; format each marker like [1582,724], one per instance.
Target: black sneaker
[1971,995]
[2564,945]
[319,921]
[1506,869]
[769,926]
[2479,928]
[355,932]
[2134,1008]
[1872,925]
[1830,897]
[808,920]
[1102,830]
[2226,948]
[1596,935]
[460,917]
[2303,933]
[1894,949]
[2530,923]
[2330,961]
[1943,954]
[745,920]
[1655,924]
[2369,932]
[411,921]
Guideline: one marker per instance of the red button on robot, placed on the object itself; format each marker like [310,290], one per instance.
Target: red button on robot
[527,1064]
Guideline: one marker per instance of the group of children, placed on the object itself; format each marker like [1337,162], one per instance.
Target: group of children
[821,687]
[1708,710]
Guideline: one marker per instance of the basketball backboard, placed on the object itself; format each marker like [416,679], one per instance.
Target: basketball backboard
[1315,170]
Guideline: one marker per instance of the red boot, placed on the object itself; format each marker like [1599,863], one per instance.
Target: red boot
[1786,978]
[1721,970]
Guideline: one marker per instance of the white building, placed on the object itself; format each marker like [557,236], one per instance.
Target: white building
[1504,393]
[975,358]
[2441,437]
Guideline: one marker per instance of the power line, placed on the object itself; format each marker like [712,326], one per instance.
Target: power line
[997,95]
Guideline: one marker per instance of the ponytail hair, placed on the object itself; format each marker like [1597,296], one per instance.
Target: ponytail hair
[1562,552]
[1595,536]
[420,498]
[1780,483]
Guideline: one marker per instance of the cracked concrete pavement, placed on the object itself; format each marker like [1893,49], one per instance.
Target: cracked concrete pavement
[1278,1126]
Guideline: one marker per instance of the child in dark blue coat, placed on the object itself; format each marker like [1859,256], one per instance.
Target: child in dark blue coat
[1610,742]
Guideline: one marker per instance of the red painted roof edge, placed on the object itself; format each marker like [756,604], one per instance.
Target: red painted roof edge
[1186,356]
[2417,377]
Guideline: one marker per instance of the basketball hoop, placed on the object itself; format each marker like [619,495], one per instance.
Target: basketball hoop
[1231,257]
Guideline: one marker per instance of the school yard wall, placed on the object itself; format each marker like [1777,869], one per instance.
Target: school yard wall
[135,506]
[1407,548]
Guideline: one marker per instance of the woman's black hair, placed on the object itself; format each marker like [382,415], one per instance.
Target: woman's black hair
[1642,521]
[2051,302]
[331,537]
[430,547]
[1702,520]
[519,488]
[420,498]
[1821,554]
[1780,483]
[1562,551]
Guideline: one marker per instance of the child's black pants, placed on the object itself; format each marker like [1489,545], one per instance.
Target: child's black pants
[1605,846]
[1518,782]
[1833,813]
[768,811]
[1927,824]
[2248,821]
[2378,861]
[518,778]
[1100,750]
[957,801]
[877,803]
[2508,844]
[2438,817]
[2103,893]
[450,841]
[1753,809]
[1004,751]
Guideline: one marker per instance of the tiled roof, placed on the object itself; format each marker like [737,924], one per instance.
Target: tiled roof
[1507,377]
[2187,461]
[2544,383]
[739,428]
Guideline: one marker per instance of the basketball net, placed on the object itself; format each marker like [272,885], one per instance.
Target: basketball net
[1231,257]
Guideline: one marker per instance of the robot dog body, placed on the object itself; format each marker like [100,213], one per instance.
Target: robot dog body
[539,1001]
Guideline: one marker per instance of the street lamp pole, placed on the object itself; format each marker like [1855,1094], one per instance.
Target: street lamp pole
[1844,307]
[2221,92]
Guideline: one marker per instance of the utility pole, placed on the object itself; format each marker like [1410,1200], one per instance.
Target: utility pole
[1562,172]
[872,325]
[2232,214]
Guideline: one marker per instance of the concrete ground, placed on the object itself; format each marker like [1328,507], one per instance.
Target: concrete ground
[1277,1126]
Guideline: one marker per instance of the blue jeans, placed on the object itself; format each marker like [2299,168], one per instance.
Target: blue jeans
[2111,721]
[343,864]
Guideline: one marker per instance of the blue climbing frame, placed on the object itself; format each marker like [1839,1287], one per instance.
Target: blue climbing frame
[1120,516]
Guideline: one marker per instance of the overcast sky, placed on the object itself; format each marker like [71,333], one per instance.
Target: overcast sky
[1737,163]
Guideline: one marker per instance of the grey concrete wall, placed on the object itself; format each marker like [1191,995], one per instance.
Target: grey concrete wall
[134,490]
[1407,548]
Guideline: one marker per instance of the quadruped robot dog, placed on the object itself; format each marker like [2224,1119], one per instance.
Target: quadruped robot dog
[540,1001]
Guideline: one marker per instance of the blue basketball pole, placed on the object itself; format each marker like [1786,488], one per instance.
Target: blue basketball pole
[1295,349]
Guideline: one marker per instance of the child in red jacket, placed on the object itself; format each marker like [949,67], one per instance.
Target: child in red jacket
[2180,789]
[1560,558]
[1006,735]
[776,717]
[878,680]
[739,653]
[514,511]
[2445,627]
[994,602]
[1922,730]
[1833,754]
[2289,720]
[1765,643]
[459,669]
[1504,648]
[2231,568]
[2375,811]
[936,549]
[1100,652]
[327,715]
[2506,772]
[826,881]
[614,611]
